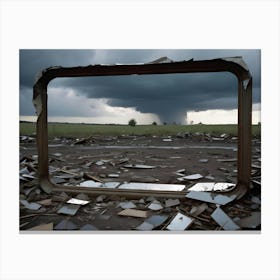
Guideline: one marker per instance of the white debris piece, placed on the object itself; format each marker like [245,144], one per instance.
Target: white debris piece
[192,177]
[77,201]
[90,184]
[155,205]
[127,205]
[209,187]
[180,222]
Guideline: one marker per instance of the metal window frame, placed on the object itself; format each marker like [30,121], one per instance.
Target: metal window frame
[234,65]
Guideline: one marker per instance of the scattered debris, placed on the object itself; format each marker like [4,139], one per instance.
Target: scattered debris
[180,222]
[145,226]
[209,187]
[171,202]
[91,184]
[197,210]
[66,225]
[138,163]
[127,205]
[133,213]
[156,220]
[69,209]
[222,219]
[211,198]
[155,205]
[30,206]
[192,177]
[110,185]
[77,201]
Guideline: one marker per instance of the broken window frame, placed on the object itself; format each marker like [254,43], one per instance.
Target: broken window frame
[234,65]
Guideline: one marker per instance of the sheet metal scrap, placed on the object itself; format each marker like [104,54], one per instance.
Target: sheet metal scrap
[222,219]
[234,65]
[209,187]
[211,197]
[180,222]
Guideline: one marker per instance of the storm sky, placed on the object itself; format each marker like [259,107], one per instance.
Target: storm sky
[162,98]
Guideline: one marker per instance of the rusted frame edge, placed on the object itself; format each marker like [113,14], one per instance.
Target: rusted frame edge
[216,65]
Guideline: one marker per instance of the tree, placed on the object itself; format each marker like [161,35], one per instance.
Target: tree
[132,122]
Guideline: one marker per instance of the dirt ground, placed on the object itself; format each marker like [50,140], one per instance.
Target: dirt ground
[114,159]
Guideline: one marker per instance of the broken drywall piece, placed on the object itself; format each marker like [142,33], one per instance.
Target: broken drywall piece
[156,220]
[145,226]
[172,202]
[150,186]
[192,177]
[209,187]
[42,227]
[155,205]
[133,213]
[90,184]
[77,201]
[66,225]
[69,209]
[222,219]
[220,199]
[30,205]
[204,160]
[180,222]
[253,221]
[127,205]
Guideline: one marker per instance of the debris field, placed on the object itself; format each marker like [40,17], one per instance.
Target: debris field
[204,165]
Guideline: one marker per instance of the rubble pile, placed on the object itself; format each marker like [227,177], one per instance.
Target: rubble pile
[206,173]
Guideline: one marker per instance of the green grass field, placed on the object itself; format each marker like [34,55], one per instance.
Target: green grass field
[83,130]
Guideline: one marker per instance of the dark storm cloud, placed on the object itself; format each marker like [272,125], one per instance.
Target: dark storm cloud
[168,96]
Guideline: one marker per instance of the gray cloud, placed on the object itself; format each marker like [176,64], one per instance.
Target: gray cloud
[168,96]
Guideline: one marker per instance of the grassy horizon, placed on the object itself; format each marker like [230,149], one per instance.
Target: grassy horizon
[84,130]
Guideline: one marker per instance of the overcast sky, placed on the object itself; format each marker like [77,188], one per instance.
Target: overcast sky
[147,98]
